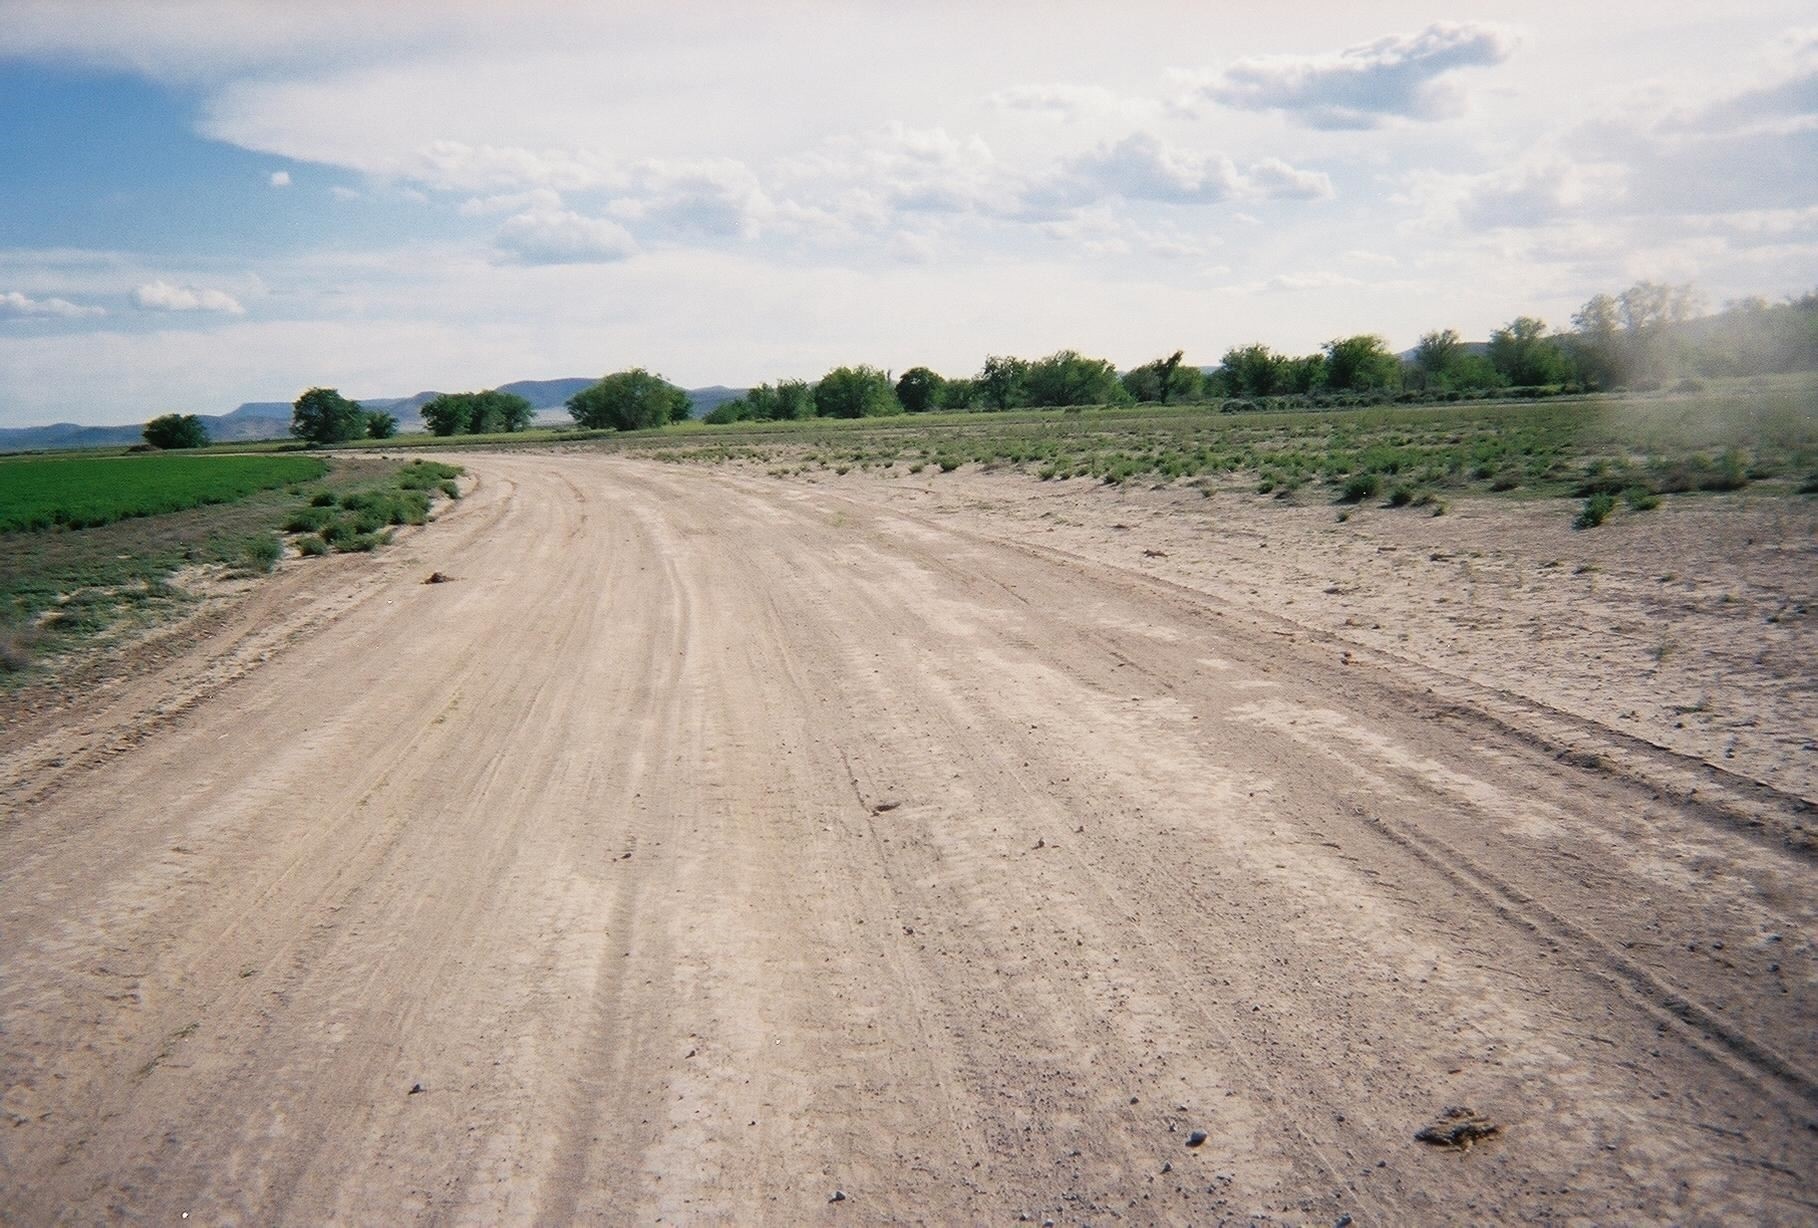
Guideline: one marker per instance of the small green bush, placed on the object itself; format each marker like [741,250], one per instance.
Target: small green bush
[312,545]
[1595,511]
[263,552]
[1640,499]
[1360,486]
[308,519]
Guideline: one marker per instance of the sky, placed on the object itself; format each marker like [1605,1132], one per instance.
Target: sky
[208,203]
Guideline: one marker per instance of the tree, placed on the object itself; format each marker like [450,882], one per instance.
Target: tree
[736,410]
[1650,314]
[1360,363]
[1596,342]
[1253,371]
[855,392]
[381,425]
[1003,382]
[1436,353]
[176,431]
[1070,378]
[1302,375]
[633,400]
[794,399]
[958,393]
[323,415]
[1522,353]
[477,413]
[919,389]
[1164,380]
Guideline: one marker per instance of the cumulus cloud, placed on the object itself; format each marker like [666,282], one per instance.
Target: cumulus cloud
[1782,99]
[1398,76]
[511,202]
[561,236]
[865,176]
[714,196]
[163,296]
[280,179]
[1534,194]
[1143,167]
[18,306]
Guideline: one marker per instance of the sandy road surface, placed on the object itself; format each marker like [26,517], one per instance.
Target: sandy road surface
[712,844]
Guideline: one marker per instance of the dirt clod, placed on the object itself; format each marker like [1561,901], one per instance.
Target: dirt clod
[437,577]
[1458,1127]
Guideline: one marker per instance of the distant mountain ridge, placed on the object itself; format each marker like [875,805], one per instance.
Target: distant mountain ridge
[271,419]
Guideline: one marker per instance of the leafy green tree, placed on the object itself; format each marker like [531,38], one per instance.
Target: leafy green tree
[1361,363]
[794,399]
[176,431]
[1523,354]
[323,415]
[1164,380]
[633,400]
[758,404]
[919,389]
[381,425]
[1472,371]
[1435,354]
[1302,375]
[1651,317]
[1254,371]
[1596,342]
[855,392]
[1003,382]
[1068,377]
[958,393]
[736,410]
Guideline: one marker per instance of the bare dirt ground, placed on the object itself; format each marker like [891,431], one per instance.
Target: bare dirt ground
[712,844]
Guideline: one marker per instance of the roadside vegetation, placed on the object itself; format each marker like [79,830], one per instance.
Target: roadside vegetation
[82,581]
[1637,447]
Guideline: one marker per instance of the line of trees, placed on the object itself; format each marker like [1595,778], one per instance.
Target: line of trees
[477,413]
[1647,334]
[1639,338]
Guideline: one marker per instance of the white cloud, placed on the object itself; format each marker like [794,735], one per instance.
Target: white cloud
[561,236]
[1393,77]
[163,296]
[715,196]
[1143,167]
[458,166]
[866,177]
[19,306]
[1072,103]
[280,179]
[1290,283]
[511,202]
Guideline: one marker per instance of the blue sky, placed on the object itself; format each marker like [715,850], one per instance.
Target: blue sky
[207,203]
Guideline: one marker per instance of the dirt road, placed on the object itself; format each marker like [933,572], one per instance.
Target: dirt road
[711,845]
